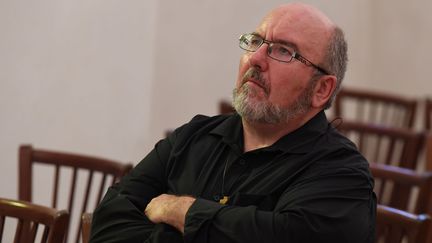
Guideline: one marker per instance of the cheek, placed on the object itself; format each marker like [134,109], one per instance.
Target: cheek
[243,67]
[244,63]
[286,86]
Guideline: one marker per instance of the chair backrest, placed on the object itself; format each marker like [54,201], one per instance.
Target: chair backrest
[28,219]
[402,188]
[86,221]
[225,107]
[375,107]
[395,226]
[428,151]
[385,145]
[428,167]
[95,172]
[428,114]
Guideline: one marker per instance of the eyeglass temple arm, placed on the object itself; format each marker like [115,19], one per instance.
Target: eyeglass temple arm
[309,63]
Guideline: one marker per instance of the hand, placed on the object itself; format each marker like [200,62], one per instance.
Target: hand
[169,209]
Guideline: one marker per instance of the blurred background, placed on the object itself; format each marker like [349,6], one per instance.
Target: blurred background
[109,77]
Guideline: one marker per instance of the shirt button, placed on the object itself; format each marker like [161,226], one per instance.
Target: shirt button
[216,198]
[242,162]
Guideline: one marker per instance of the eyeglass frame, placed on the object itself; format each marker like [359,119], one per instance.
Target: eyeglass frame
[295,54]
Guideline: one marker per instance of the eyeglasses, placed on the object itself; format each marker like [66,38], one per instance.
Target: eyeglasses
[277,51]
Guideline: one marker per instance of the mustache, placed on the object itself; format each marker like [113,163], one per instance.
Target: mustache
[256,75]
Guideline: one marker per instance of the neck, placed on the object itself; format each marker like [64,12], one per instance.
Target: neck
[259,135]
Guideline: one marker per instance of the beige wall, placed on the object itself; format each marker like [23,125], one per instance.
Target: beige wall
[75,76]
[401,57]
[108,77]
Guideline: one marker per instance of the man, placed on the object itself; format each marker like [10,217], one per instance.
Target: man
[276,171]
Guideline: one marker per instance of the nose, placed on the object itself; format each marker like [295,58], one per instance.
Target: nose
[259,58]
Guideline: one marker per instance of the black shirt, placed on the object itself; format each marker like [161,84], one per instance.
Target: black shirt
[312,185]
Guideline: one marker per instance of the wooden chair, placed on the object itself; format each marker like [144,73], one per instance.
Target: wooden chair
[394,226]
[225,107]
[428,114]
[385,145]
[428,151]
[29,217]
[86,221]
[403,188]
[375,107]
[95,172]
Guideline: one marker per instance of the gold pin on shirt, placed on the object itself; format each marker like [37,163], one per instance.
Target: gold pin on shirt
[223,200]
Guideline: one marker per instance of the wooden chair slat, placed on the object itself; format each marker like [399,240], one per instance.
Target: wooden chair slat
[28,156]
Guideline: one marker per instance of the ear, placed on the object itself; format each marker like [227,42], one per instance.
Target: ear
[324,88]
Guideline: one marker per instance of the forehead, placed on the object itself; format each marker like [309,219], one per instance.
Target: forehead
[307,28]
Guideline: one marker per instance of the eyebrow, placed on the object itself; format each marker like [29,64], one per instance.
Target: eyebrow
[284,42]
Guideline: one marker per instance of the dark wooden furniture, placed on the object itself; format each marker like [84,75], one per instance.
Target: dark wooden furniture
[428,151]
[96,173]
[29,217]
[395,226]
[225,107]
[428,114]
[86,220]
[385,145]
[375,107]
[403,188]
[428,167]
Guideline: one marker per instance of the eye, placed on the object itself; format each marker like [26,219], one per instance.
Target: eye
[254,41]
[281,50]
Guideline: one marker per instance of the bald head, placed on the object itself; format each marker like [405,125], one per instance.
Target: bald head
[302,10]
[317,37]
[308,25]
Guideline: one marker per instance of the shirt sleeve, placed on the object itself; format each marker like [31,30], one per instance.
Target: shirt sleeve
[337,205]
[120,216]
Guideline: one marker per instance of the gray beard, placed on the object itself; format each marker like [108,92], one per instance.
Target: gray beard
[267,112]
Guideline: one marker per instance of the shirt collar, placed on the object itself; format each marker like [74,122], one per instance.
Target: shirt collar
[300,140]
